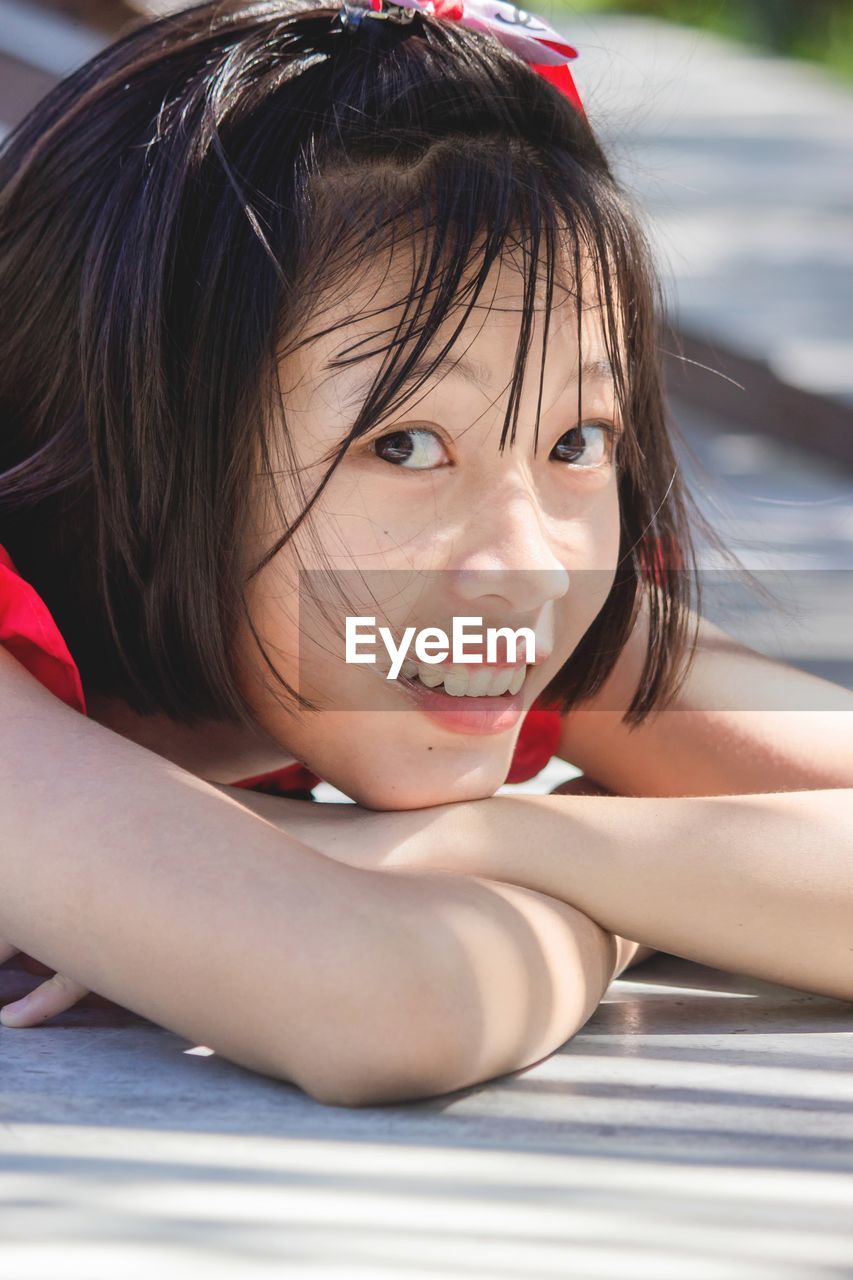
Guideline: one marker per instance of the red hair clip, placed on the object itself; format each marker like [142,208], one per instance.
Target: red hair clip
[543,48]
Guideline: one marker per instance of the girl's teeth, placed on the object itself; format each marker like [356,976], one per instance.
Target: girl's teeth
[456,686]
[476,682]
[498,681]
[517,679]
[480,682]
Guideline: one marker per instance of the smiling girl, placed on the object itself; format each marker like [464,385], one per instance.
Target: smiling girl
[299,300]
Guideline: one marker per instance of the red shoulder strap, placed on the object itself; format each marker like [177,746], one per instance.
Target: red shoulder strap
[28,631]
[536,743]
[293,777]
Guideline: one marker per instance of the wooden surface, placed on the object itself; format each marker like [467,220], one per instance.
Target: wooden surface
[700,1126]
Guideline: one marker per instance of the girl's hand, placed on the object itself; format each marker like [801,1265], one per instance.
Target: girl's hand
[54,996]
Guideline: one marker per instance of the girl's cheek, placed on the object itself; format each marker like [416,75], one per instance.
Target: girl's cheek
[371,518]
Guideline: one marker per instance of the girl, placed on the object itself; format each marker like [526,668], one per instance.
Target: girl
[273,280]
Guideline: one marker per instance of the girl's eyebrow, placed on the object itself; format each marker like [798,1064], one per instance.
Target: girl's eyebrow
[476,371]
[481,375]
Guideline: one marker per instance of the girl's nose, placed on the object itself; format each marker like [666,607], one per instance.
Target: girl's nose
[505,553]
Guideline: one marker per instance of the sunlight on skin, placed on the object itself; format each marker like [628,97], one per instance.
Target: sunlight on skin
[468,510]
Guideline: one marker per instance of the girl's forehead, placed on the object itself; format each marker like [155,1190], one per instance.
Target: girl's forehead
[350,332]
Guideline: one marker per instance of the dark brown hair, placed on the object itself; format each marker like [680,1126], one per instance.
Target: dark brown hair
[170,213]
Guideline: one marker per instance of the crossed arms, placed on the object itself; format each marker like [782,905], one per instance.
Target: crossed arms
[377,961]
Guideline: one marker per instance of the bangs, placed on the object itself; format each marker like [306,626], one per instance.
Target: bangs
[427,234]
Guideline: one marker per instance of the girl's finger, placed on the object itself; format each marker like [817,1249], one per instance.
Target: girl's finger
[7,951]
[52,997]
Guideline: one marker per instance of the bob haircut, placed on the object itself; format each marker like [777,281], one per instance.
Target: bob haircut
[170,214]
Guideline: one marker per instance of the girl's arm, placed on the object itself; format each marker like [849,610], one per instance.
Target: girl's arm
[151,887]
[715,738]
[759,885]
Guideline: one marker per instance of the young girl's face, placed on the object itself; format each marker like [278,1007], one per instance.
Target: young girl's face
[425,520]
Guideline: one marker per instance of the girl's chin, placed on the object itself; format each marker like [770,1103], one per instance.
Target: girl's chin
[426,793]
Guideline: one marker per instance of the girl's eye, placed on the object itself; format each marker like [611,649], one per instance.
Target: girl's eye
[587,446]
[413,449]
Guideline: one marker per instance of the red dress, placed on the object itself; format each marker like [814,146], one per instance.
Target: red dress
[29,632]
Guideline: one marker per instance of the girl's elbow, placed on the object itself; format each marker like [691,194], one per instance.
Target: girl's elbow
[363,1086]
[384,1074]
[388,1042]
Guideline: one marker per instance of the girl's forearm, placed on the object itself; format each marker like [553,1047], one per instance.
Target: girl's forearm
[151,888]
[760,884]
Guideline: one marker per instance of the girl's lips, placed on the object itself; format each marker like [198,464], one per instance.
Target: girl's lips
[465,715]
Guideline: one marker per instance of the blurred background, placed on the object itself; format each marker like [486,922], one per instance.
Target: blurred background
[818,30]
[730,123]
